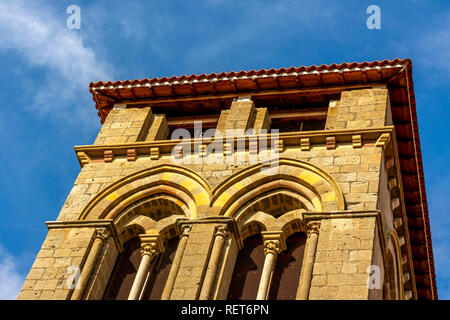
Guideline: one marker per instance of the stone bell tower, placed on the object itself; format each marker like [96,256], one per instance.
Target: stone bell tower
[299,183]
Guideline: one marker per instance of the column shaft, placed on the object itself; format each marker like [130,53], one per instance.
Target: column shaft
[308,264]
[264,284]
[138,282]
[213,263]
[175,267]
[93,254]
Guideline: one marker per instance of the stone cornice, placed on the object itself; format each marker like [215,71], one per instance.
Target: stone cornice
[302,139]
[343,214]
[309,217]
[107,224]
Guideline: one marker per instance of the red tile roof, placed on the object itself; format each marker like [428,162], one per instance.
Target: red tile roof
[396,73]
[105,94]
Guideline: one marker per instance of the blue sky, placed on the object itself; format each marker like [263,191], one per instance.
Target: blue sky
[46,107]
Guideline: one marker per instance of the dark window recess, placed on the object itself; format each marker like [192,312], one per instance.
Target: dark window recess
[247,270]
[124,272]
[285,279]
[292,126]
[313,125]
[192,134]
[295,126]
[158,276]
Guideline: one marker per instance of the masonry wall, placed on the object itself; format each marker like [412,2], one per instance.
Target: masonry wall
[343,258]
[359,109]
[195,262]
[49,274]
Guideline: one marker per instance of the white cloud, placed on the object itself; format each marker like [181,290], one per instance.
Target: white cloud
[10,279]
[39,34]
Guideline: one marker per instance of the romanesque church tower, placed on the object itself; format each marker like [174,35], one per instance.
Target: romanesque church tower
[298,183]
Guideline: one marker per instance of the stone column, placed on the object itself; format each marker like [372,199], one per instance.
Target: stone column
[151,247]
[100,235]
[312,230]
[219,240]
[273,245]
[176,263]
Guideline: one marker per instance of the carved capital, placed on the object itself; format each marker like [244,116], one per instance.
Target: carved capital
[221,231]
[151,244]
[272,246]
[185,229]
[312,227]
[150,249]
[102,233]
[273,242]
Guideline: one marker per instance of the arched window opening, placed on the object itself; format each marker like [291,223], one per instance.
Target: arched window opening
[275,202]
[247,270]
[124,271]
[156,207]
[159,271]
[285,278]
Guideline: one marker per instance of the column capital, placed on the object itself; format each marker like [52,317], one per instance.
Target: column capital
[102,233]
[272,246]
[185,229]
[221,231]
[273,241]
[312,227]
[151,244]
[150,249]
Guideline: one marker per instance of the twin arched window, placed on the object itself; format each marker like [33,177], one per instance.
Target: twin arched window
[244,282]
